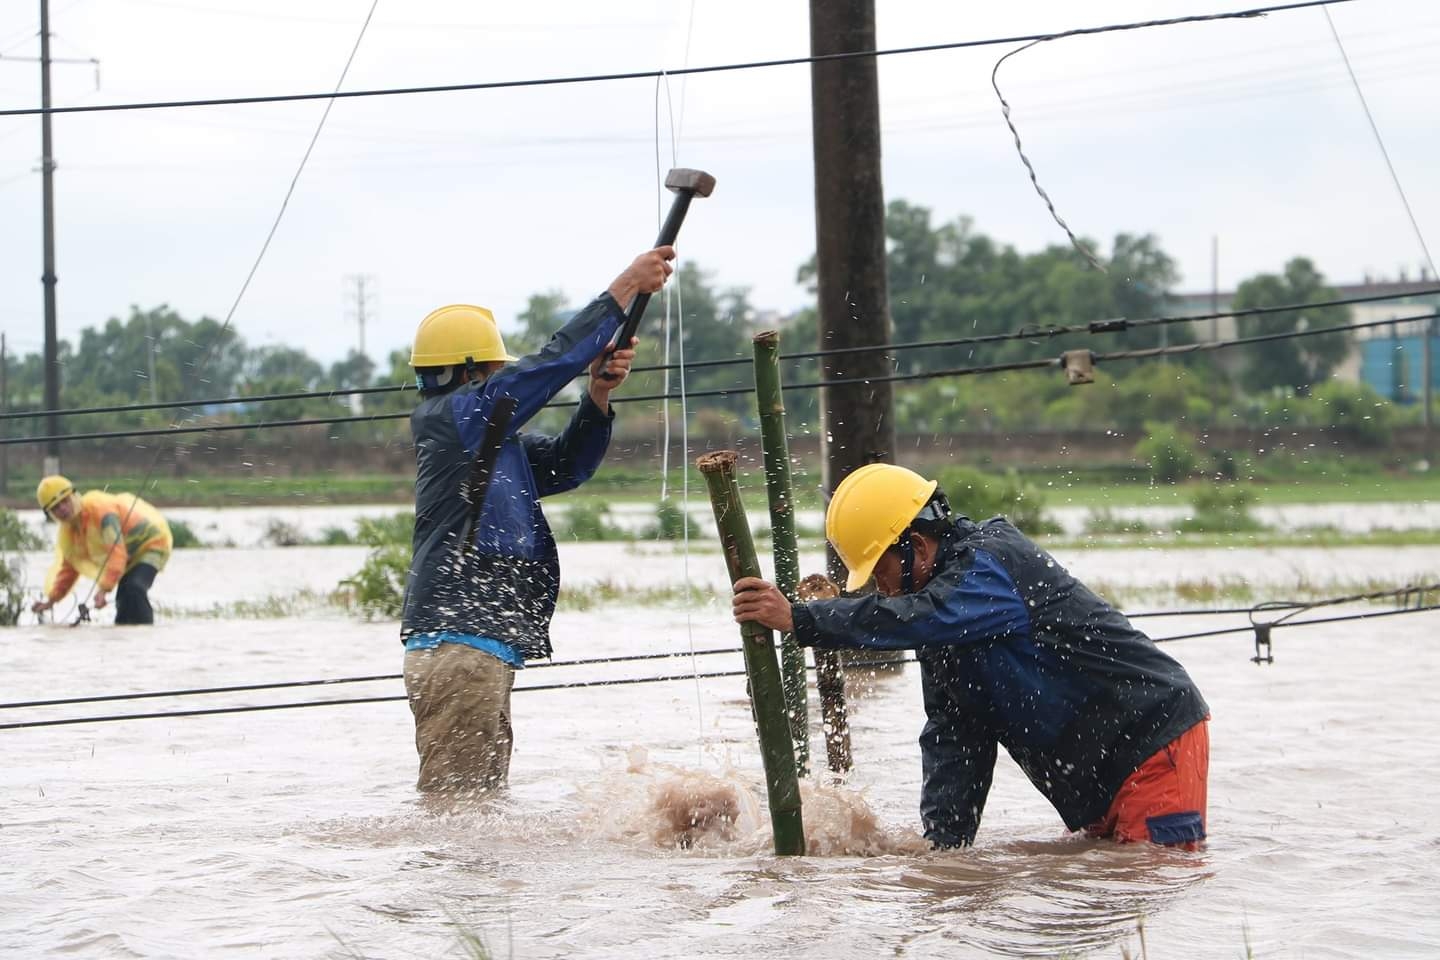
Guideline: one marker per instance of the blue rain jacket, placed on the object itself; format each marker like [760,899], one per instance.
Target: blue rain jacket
[505,585]
[1013,650]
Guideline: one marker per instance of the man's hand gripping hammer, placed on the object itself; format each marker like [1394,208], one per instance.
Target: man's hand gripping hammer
[686,185]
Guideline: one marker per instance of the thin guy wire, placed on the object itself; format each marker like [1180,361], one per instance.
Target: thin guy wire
[1380,142]
[651,74]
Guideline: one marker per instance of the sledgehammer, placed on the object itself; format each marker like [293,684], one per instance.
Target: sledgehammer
[686,184]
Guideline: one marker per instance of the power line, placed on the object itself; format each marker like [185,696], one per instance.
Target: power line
[628,681]
[1036,364]
[656,74]
[1116,325]
[1260,338]
[1404,593]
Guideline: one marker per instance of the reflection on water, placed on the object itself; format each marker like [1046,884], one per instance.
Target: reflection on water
[1039,898]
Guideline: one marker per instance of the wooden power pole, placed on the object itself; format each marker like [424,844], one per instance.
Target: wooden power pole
[854,311]
[47,277]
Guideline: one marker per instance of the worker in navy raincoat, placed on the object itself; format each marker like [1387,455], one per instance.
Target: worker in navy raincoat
[1013,651]
[475,612]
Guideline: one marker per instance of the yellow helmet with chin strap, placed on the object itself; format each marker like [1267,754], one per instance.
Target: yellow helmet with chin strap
[456,334]
[869,511]
[52,490]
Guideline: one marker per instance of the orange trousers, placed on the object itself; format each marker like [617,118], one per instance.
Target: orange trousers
[1164,800]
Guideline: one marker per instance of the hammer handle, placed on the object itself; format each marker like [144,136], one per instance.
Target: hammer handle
[669,230]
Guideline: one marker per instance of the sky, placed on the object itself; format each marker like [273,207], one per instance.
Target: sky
[1244,134]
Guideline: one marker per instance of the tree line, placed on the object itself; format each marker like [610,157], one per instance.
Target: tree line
[946,281]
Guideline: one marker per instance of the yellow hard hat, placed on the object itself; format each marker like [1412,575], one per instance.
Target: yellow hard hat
[52,490]
[869,511]
[455,334]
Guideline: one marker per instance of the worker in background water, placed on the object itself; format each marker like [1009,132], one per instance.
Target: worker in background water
[116,539]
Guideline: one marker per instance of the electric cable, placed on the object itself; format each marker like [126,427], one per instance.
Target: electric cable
[740,390]
[1113,325]
[652,74]
[1405,592]
[622,681]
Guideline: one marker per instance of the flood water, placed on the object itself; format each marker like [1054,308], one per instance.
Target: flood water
[296,833]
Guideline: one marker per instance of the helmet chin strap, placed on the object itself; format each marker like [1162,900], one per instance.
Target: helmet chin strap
[907,561]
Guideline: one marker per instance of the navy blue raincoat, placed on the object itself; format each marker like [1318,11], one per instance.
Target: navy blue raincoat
[505,585]
[1013,650]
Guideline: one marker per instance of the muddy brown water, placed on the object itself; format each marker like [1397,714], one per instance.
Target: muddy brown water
[295,833]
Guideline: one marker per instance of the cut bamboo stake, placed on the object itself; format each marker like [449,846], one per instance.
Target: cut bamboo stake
[829,681]
[782,533]
[767,699]
[829,677]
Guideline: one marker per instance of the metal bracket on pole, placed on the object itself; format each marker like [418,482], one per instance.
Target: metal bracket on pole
[1262,644]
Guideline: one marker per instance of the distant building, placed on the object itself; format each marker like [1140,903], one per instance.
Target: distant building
[1388,359]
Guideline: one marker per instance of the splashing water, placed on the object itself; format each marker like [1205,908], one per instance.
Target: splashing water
[725,815]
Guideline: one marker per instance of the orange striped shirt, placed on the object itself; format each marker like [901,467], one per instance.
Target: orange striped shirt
[107,537]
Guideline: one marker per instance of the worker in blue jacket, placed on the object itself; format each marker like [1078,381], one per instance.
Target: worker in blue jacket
[1014,651]
[475,612]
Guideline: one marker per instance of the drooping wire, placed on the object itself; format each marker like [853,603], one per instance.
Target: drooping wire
[1081,248]
[1380,142]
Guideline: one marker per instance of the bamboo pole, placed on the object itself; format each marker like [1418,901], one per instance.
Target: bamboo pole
[782,533]
[830,682]
[767,698]
[829,677]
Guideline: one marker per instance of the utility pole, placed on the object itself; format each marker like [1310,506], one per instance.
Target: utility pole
[1215,286]
[150,357]
[1429,374]
[4,408]
[47,278]
[363,289]
[854,311]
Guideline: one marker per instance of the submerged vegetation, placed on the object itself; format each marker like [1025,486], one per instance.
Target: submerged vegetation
[377,589]
[12,591]
[1182,592]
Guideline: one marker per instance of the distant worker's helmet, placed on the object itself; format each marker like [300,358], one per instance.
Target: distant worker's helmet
[52,490]
[869,511]
[457,334]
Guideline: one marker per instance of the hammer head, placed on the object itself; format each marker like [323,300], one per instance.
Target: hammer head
[695,182]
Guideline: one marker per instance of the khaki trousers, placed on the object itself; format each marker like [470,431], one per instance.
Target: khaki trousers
[461,701]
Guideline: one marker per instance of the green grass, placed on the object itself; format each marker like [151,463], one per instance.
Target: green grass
[1311,537]
[234,491]
[1237,591]
[629,486]
[1371,488]
[273,607]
